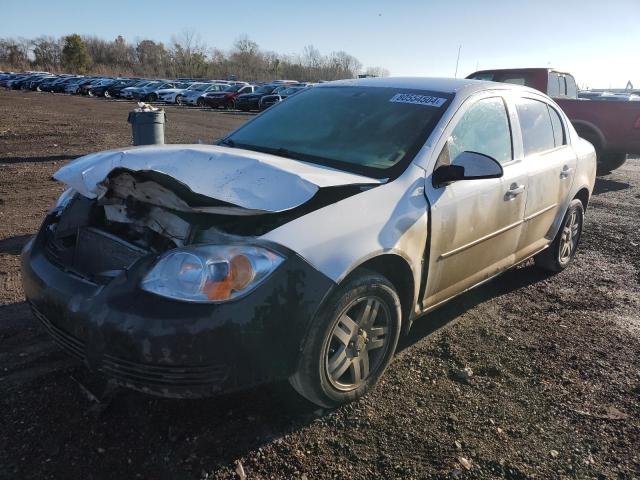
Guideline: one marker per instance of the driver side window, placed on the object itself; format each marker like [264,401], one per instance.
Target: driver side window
[485,129]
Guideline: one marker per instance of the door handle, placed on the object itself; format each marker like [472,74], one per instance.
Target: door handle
[565,172]
[514,191]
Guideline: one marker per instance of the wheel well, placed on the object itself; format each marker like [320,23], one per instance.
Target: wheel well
[398,272]
[591,134]
[583,196]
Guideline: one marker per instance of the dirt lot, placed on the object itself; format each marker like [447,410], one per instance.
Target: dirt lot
[556,359]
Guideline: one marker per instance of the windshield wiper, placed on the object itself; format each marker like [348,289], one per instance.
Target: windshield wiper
[281,152]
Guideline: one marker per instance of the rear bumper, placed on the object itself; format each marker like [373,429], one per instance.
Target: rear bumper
[169,348]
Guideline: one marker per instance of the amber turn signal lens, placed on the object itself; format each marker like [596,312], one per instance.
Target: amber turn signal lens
[239,276]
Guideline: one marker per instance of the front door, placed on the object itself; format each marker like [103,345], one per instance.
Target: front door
[476,225]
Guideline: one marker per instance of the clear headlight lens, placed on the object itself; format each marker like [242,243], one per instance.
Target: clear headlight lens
[210,273]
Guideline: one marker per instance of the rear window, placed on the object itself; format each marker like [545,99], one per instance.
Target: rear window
[513,78]
[535,123]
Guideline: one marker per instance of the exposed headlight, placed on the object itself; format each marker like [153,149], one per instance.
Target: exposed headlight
[64,199]
[210,273]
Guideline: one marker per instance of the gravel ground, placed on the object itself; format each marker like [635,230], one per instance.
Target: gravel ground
[551,388]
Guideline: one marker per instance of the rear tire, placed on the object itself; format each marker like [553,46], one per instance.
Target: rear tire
[607,162]
[557,256]
[200,103]
[179,100]
[350,342]
[152,97]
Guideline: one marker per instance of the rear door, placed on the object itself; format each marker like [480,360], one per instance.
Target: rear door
[476,224]
[551,165]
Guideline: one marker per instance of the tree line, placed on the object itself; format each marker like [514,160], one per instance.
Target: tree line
[186,56]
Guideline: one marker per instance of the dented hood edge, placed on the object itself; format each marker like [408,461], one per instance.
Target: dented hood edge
[259,182]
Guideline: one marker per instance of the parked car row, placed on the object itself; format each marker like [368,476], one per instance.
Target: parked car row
[202,93]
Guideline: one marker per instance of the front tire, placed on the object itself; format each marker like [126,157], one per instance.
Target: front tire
[560,253]
[350,342]
[200,103]
[179,100]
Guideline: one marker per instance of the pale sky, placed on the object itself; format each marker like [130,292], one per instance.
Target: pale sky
[599,42]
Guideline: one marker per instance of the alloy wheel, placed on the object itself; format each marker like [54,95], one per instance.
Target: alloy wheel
[570,236]
[358,343]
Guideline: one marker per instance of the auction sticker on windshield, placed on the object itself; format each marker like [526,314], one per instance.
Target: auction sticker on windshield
[426,100]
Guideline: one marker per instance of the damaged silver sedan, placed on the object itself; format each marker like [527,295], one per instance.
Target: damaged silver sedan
[304,243]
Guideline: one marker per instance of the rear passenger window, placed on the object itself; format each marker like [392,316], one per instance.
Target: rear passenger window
[484,128]
[535,123]
[558,130]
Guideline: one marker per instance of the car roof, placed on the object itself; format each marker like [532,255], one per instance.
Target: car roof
[434,84]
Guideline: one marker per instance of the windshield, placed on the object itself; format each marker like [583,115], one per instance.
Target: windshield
[217,87]
[364,129]
[266,89]
[290,91]
[199,87]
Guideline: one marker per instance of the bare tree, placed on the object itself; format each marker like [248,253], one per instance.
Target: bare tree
[188,54]
[47,53]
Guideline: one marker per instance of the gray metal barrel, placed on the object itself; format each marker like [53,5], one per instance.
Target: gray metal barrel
[147,128]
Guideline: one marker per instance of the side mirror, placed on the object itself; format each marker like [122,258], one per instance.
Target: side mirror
[467,166]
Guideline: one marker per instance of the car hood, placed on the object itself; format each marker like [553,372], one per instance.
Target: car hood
[249,182]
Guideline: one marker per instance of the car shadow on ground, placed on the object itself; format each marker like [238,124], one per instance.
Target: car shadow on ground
[509,281]
[14,245]
[604,185]
[50,158]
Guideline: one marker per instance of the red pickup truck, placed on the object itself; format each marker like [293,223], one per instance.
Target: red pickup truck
[613,127]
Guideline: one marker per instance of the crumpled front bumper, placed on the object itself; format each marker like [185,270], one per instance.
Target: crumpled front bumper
[170,348]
